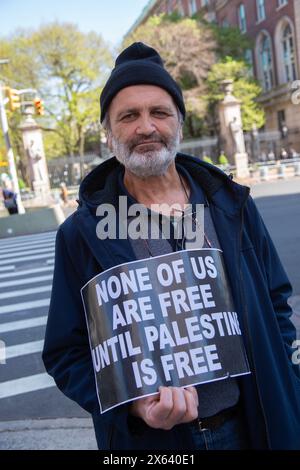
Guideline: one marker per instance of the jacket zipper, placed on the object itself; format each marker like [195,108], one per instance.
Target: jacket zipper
[247,323]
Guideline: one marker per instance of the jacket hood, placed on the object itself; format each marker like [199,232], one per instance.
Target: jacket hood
[101,184]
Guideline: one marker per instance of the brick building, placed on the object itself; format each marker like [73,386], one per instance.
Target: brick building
[274,27]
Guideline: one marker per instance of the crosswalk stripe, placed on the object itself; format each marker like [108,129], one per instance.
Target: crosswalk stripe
[27,258]
[31,235]
[26,238]
[23,324]
[21,292]
[25,272]
[29,252]
[21,282]
[24,306]
[23,248]
[28,244]
[27,384]
[7,268]
[24,349]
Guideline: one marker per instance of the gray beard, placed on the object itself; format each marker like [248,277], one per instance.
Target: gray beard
[149,163]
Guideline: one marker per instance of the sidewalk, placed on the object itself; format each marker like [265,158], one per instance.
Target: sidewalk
[48,434]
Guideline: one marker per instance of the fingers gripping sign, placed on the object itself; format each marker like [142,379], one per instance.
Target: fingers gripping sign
[173,405]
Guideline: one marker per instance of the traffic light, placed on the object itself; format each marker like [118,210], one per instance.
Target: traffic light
[13,98]
[39,107]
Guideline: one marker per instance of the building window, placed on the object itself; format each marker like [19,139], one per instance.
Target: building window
[281,3]
[281,119]
[169,6]
[180,8]
[204,3]
[225,23]
[288,50]
[266,62]
[193,7]
[249,61]
[261,12]
[242,18]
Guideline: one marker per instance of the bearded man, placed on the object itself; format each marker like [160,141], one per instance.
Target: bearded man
[142,110]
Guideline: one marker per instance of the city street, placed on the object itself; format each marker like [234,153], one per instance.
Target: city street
[26,390]
[279,203]
[33,413]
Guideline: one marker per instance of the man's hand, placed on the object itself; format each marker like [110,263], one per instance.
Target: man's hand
[172,406]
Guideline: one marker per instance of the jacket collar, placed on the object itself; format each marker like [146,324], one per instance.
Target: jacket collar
[101,185]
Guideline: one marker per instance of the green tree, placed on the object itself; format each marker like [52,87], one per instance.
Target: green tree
[245,88]
[187,47]
[68,68]
[230,42]
[72,66]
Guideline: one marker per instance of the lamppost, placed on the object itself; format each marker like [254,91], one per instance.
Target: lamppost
[10,154]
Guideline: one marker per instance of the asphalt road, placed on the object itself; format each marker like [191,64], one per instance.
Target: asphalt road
[26,391]
[279,205]
[26,266]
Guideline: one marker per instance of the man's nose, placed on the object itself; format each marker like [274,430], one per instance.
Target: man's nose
[145,125]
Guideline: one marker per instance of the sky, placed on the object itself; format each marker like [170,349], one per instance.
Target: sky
[111,18]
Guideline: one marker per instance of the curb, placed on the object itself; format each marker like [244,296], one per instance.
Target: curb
[48,434]
[46,424]
[37,221]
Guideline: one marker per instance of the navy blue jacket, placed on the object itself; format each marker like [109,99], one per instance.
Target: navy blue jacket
[270,395]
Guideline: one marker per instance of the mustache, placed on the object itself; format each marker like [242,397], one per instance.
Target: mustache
[145,139]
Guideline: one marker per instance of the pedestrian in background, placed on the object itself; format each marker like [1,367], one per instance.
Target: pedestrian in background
[9,196]
[64,193]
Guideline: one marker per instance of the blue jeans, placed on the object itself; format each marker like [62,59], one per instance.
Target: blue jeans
[231,435]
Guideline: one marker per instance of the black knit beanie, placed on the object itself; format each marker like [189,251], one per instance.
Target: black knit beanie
[139,65]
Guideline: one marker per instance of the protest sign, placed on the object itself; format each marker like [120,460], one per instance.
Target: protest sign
[167,320]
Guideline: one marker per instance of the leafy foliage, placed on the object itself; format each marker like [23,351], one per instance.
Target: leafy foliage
[68,68]
[245,88]
[188,49]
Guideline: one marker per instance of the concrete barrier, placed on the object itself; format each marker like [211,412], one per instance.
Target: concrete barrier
[34,221]
[281,171]
[264,173]
[297,168]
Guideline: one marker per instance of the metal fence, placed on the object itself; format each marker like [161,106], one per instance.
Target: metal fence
[71,170]
[262,147]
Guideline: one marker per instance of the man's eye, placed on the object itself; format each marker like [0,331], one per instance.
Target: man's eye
[128,117]
[160,113]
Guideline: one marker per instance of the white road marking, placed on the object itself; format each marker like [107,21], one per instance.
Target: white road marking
[24,349]
[21,282]
[24,248]
[26,272]
[23,324]
[18,241]
[28,244]
[24,306]
[28,252]
[27,258]
[21,292]
[7,268]
[31,383]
